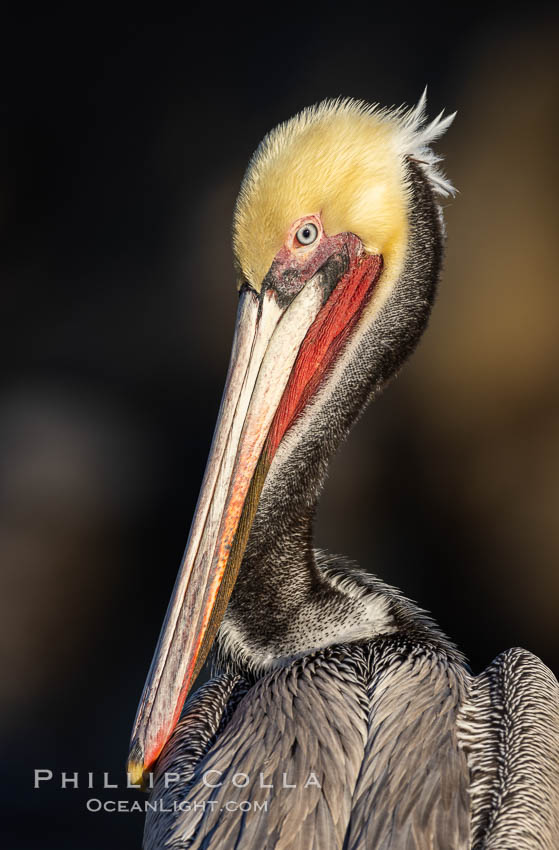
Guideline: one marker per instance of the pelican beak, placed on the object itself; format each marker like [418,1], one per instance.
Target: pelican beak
[286,337]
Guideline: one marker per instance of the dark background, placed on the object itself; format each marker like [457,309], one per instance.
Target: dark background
[123,141]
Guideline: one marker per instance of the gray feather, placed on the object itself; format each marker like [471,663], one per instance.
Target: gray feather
[510,732]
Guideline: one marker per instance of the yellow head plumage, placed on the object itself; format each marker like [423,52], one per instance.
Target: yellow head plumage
[342,159]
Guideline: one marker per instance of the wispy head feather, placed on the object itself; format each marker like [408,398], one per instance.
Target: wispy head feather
[346,160]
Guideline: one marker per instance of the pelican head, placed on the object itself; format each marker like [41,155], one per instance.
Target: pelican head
[337,240]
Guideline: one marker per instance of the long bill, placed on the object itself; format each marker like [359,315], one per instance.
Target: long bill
[279,352]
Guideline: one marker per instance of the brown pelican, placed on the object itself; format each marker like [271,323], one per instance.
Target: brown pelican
[339,715]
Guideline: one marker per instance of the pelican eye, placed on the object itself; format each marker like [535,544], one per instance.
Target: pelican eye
[307,234]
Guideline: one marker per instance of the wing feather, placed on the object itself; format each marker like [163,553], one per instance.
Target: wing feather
[510,731]
[301,729]
[353,747]
[412,789]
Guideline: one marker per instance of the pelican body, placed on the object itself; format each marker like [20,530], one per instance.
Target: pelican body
[338,715]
